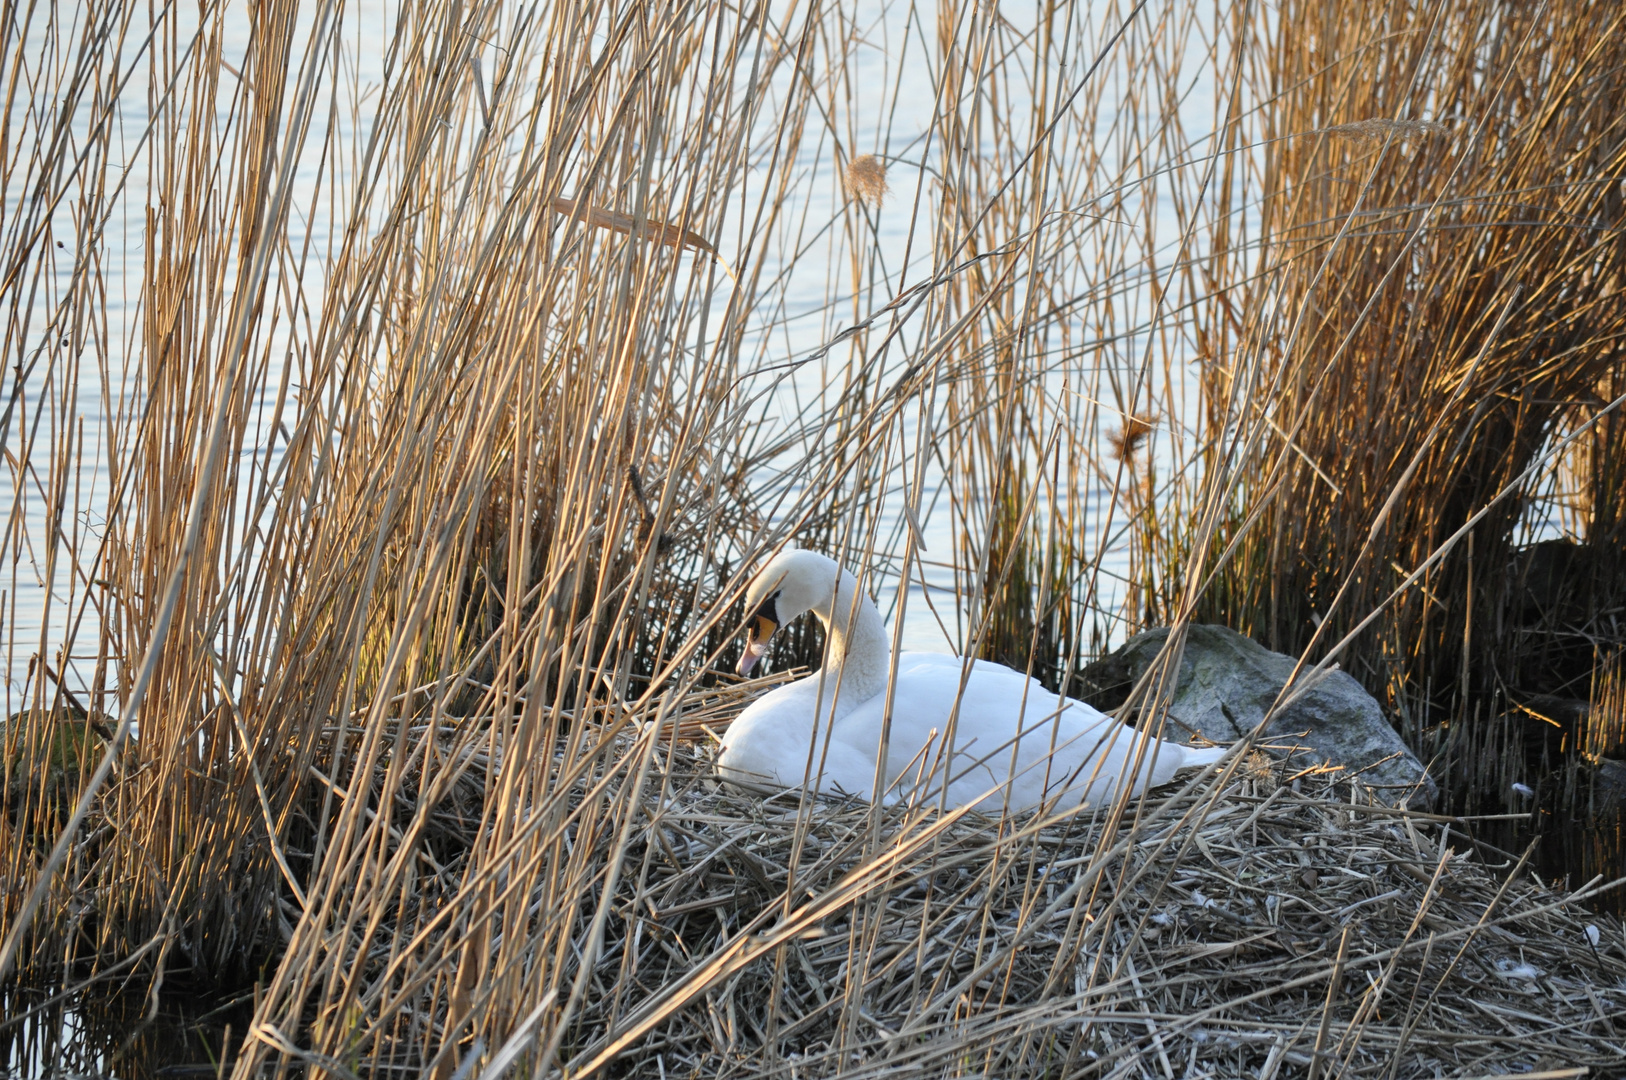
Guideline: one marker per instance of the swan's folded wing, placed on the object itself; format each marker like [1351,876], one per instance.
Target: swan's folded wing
[994,711]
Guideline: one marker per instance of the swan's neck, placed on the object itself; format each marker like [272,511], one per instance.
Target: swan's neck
[856,648]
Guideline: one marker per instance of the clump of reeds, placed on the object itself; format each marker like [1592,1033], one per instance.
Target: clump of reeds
[1416,337]
[1605,734]
[467,464]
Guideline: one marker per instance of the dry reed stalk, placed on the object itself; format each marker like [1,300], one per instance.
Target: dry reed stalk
[1605,735]
[660,232]
[1381,128]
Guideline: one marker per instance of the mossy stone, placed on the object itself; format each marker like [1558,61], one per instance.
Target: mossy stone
[73,743]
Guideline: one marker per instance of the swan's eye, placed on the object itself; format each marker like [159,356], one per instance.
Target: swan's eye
[762,625]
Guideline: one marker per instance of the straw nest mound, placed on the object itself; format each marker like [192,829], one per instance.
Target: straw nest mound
[1257,926]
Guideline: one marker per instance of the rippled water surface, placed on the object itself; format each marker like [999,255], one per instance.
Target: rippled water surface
[117,1035]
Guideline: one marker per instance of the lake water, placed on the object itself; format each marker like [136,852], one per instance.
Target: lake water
[117,1036]
[44,606]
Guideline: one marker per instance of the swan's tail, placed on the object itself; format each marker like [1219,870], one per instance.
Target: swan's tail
[1195,757]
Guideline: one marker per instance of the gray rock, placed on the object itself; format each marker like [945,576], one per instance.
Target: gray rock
[1226,683]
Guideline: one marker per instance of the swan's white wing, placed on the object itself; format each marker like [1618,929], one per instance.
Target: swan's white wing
[1008,732]
[999,710]
[1008,728]
[923,700]
[767,744]
[770,733]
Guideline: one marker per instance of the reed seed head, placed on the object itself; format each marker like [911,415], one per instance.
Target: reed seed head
[1378,128]
[866,179]
[1127,440]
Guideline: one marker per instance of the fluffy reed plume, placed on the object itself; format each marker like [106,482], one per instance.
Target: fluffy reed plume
[866,179]
[1127,439]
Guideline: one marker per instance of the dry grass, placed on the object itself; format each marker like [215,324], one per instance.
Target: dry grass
[1259,925]
[1425,336]
[380,528]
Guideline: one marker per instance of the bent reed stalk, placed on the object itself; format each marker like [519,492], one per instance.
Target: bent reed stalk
[456,397]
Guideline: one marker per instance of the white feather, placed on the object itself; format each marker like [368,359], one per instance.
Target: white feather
[1015,743]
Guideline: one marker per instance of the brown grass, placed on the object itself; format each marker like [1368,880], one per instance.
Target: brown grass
[1427,327]
[432,465]
[1126,441]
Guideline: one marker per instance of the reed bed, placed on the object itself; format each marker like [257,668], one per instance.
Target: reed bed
[1414,407]
[1272,923]
[385,493]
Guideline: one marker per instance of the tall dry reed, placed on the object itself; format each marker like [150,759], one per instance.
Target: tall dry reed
[1424,326]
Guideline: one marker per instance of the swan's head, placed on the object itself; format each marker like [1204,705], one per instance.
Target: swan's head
[794,581]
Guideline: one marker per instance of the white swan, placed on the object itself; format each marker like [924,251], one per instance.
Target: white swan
[1004,730]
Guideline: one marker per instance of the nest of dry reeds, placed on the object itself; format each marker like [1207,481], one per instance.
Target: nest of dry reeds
[1255,924]
[1260,928]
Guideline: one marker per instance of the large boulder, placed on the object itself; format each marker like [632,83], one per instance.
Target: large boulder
[1228,681]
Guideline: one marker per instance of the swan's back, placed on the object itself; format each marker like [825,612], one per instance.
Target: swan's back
[1007,728]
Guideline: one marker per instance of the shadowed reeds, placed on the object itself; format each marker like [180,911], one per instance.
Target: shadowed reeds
[1427,319]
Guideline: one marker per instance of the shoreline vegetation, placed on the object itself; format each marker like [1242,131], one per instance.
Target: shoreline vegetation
[385,453]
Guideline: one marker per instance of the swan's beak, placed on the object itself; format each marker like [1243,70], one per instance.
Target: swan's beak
[756,643]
